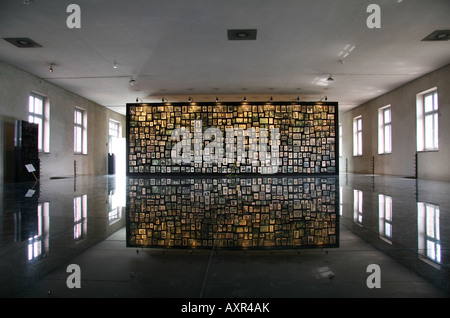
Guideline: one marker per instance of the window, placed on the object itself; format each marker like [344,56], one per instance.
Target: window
[115,131]
[38,113]
[340,140]
[357,136]
[427,121]
[79,133]
[385,217]
[428,216]
[384,130]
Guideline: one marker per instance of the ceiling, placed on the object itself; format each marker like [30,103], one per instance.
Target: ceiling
[179,48]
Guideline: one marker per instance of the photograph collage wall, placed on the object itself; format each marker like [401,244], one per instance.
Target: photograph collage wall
[230,204]
[307,141]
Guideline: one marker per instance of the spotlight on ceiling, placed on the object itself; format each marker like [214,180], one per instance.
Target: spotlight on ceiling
[330,78]
[241,34]
[22,42]
[217,99]
[245,99]
[438,35]
[51,68]
[298,98]
[190,99]
[271,99]
[132,82]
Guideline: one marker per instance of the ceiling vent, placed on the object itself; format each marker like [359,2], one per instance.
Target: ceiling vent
[242,34]
[22,42]
[439,35]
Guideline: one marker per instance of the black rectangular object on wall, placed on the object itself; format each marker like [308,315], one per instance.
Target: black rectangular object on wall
[26,150]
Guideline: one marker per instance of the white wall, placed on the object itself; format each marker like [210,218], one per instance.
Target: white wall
[401,162]
[15,87]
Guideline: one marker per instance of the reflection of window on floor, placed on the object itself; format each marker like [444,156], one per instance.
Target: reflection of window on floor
[429,232]
[385,217]
[115,206]
[114,215]
[358,206]
[79,216]
[37,245]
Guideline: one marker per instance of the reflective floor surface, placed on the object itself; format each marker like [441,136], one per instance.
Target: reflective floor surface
[285,237]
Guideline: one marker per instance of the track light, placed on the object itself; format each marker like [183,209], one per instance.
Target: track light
[330,78]
[190,99]
[114,65]
[324,98]
[217,99]
[271,99]
[298,98]
[132,81]
[51,68]
[245,99]
[138,99]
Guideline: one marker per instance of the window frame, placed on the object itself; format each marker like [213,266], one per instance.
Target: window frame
[39,118]
[434,115]
[357,136]
[423,132]
[383,125]
[80,131]
[116,135]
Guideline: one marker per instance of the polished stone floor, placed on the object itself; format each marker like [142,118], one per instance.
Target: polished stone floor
[402,225]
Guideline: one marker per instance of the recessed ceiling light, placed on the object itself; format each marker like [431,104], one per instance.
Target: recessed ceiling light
[438,35]
[22,42]
[242,34]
